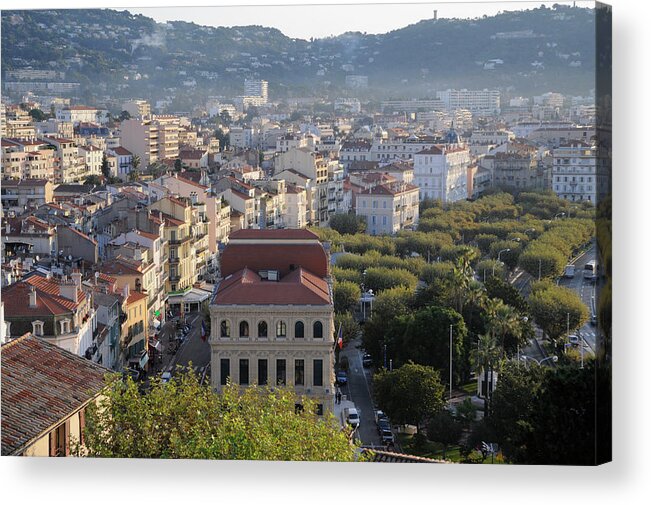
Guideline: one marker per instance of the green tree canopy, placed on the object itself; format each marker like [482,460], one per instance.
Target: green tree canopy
[550,306]
[410,394]
[183,419]
[347,223]
[427,340]
[379,279]
[444,429]
[346,296]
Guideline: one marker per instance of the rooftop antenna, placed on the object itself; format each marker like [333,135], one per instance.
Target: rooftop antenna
[435,14]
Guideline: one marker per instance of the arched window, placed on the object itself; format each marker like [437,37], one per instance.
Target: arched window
[244,329]
[318,329]
[225,328]
[281,329]
[299,329]
[262,329]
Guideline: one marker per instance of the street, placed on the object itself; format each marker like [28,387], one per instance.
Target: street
[358,390]
[587,290]
[193,349]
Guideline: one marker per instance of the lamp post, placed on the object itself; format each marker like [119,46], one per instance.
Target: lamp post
[499,255]
[450,398]
[527,358]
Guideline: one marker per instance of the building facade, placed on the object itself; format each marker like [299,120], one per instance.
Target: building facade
[272,315]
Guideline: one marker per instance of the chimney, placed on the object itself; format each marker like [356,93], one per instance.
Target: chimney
[68,289]
[32,298]
[76,278]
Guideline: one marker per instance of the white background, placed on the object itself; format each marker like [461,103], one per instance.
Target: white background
[626,481]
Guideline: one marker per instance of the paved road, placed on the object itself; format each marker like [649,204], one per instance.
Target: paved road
[587,290]
[193,349]
[358,391]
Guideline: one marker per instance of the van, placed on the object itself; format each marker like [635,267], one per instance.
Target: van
[352,416]
[569,271]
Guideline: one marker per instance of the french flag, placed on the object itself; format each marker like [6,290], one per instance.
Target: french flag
[340,338]
[203,330]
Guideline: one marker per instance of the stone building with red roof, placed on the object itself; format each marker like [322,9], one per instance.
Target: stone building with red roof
[272,315]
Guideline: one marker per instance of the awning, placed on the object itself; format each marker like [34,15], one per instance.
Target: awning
[143,359]
[156,345]
[155,323]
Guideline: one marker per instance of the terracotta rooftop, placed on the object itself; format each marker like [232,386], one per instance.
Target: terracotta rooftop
[121,151]
[42,384]
[48,298]
[282,250]
[298,287]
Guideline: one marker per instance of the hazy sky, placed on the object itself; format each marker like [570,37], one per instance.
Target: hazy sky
[301,20]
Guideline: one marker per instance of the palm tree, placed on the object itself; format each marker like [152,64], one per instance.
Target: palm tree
[134,175]
[484,358]
[503,320]
[462,276]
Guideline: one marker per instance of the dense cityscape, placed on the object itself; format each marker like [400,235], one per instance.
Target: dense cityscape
[274,273]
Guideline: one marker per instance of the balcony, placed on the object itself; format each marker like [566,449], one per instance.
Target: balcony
[174,260]
[180,241]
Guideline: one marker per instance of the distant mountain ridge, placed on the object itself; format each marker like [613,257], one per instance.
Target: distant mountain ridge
[120,54]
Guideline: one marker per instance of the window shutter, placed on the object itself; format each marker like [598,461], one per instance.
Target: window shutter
[82,425]
[66,437]
[53,443]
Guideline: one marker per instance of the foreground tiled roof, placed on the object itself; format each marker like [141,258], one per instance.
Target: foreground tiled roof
[299,287]
[42,384]
[48,298]
[396,457]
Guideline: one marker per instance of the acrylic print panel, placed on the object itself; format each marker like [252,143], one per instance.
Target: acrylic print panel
[239,235]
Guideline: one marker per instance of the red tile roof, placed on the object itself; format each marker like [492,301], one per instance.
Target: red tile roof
[121,151]
[299,287]
[279,250]
[42,384]
[49,301]
[288,234]
[134,296]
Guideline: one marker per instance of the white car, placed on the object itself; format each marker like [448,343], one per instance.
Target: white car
[166,377]
[574,339]
[352,417]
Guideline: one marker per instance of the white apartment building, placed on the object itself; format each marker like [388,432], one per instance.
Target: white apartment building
[578,172]
[290,141]
[441,172]
[485,101]
[296,202]
[76,114]
[257,88]
[388,208]
[92,158]
[242,138]
[388,151]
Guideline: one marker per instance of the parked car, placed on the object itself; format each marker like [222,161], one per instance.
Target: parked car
[352,416]
[574,339]
[367,360]
[383,425]
[166,376]
[380,415]
[387,437]
[342,378]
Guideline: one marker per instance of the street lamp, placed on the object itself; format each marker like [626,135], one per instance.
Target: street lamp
[527,358]
[499,254]
[450,398]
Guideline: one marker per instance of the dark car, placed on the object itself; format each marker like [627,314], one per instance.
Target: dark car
[383,425]
[367,360]
[386,436]
[342,378]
